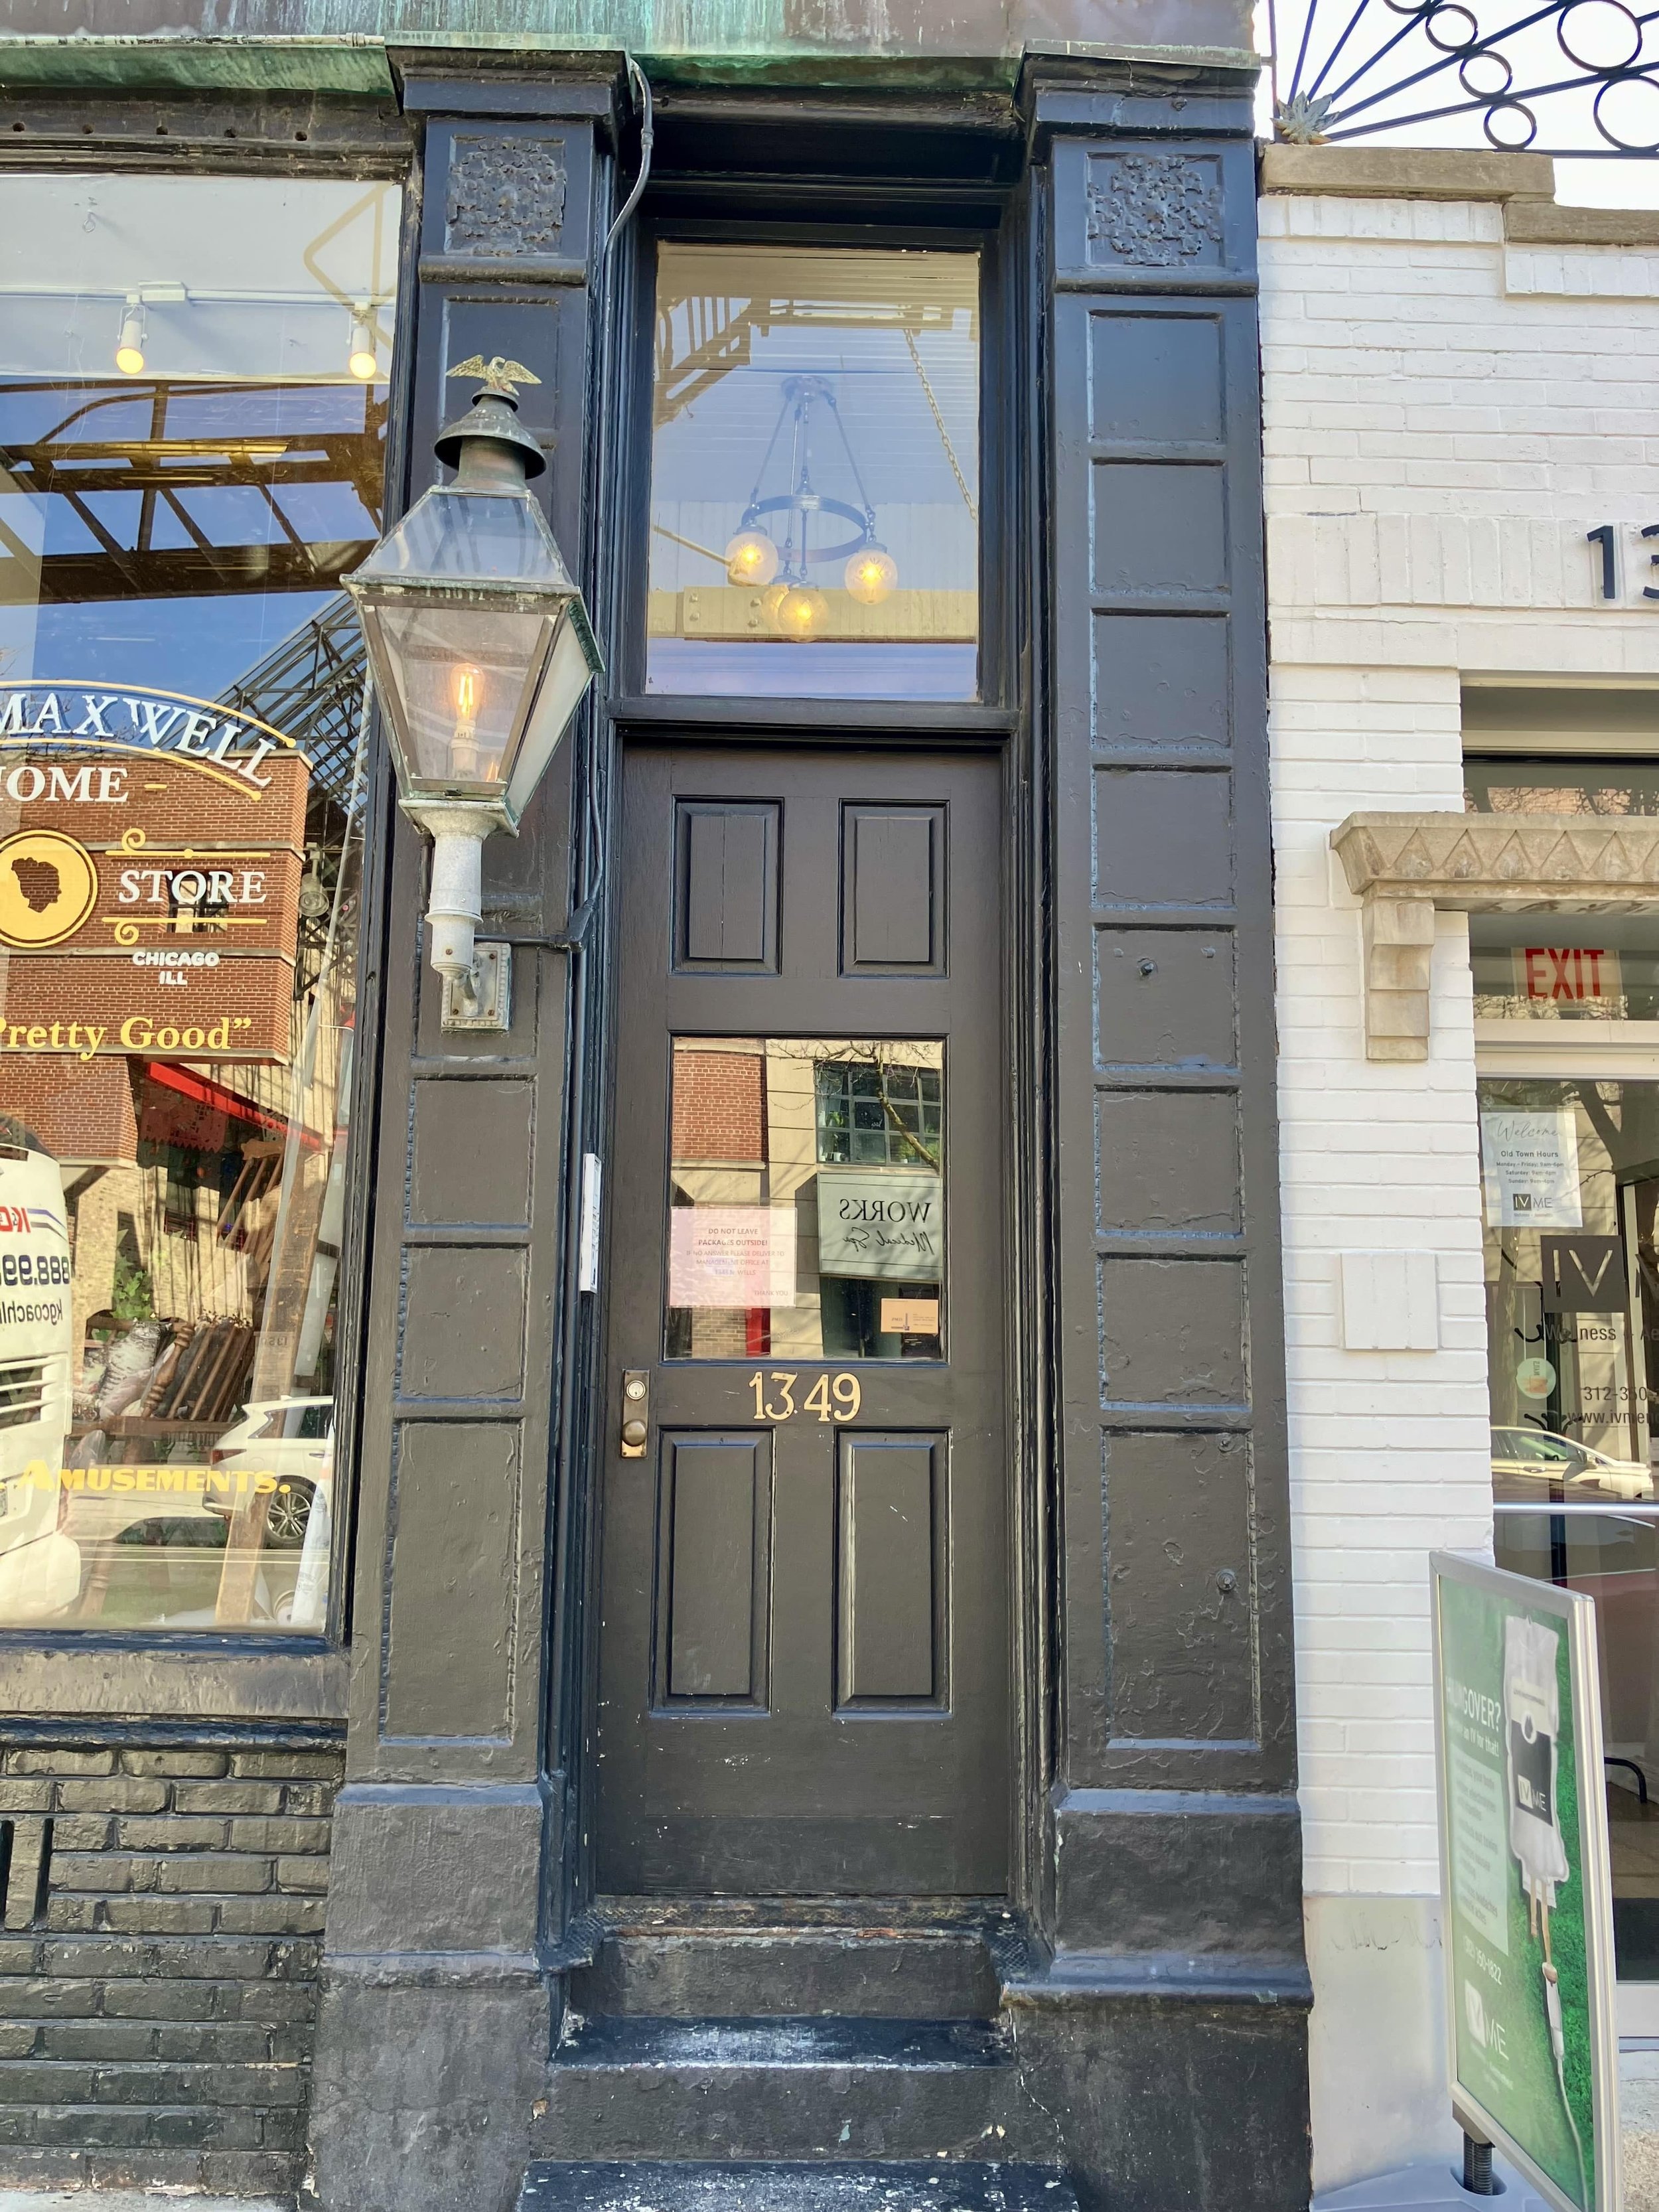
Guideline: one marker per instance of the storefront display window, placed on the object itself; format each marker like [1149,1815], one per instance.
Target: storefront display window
[192,409]
[815,474]
[1571,1175]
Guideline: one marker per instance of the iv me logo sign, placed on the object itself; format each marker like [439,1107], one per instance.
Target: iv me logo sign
[1525,1886]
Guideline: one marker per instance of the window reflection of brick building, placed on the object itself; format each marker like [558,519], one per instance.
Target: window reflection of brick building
[720,1105]
[719,1148]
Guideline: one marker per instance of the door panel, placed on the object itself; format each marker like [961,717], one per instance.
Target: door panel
[804,1648]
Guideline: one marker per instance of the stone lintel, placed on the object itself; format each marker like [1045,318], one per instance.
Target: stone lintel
[1405,868]
[1406,173]
[1543,222]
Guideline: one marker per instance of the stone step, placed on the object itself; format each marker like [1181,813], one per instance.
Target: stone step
[777,2186]
[858,1965]
[838,2087]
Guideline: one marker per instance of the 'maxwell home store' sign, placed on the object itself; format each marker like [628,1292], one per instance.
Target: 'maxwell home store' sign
[151,848]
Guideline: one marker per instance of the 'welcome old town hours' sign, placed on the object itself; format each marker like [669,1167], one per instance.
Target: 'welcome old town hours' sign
[151,846]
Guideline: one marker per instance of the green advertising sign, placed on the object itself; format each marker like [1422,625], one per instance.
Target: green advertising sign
[1532,2041]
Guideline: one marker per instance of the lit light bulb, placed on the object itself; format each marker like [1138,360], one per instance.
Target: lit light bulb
[130,346]
[801,612]
[467,686]
[752,558]
[871,572]
[469,689]
[362,361]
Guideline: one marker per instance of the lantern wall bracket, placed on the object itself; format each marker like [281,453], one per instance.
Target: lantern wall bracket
[483,1000]
[478,979]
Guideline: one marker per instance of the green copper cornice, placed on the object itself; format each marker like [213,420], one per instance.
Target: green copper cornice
[341,46]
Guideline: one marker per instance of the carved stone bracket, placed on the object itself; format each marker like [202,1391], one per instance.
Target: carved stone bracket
[1405,868]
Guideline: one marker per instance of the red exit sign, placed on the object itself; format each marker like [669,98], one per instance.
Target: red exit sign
[1569,975]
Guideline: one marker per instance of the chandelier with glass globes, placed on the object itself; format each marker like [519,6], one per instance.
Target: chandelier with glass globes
[773,550]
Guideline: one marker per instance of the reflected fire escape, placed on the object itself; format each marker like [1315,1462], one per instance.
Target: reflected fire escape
[157,545]
[143,517]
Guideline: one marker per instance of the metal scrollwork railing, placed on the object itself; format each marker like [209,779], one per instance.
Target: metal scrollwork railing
[1572,78]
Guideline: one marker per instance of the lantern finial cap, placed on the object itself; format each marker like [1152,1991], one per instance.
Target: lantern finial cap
[493,415]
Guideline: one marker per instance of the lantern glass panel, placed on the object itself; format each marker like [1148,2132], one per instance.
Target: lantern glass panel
[569,669]
[460,674]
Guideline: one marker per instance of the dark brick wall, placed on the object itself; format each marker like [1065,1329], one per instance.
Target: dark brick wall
[158,1979]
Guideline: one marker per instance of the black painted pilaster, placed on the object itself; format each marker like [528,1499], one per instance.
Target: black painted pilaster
[434,2023]
[1178,1994]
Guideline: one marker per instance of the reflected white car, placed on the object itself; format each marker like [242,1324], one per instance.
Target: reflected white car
[290,1439]
[1523,1459]
[40,1561]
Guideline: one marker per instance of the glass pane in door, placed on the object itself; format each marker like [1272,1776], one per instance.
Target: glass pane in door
[806,1198]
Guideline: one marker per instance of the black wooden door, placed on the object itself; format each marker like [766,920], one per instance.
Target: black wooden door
[804,1651]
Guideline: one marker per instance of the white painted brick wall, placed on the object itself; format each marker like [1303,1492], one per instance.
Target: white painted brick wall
[1445,418]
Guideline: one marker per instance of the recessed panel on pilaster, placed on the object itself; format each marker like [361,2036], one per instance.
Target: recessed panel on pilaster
[1166,1163]
[1163,838]
[1164,997]
[447,1662]
[1156,379]
[1172,1332]
[1160,683]
[1178,1529]
[1160,529]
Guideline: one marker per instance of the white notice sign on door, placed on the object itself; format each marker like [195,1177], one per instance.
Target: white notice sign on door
[731,1255]
[1530,1165]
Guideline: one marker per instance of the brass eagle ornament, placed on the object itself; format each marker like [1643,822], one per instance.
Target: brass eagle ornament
[499,375]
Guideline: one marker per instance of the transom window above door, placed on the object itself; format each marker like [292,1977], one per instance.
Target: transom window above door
[815,474]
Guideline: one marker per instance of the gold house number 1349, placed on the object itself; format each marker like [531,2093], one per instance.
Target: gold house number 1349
[832,1397]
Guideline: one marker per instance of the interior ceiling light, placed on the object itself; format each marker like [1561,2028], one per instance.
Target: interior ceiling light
[752,558]
[871,573]
[363,359]
[756,557]
[130,346]
[802,611]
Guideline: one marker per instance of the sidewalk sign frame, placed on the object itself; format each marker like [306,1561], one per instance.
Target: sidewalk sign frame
[1592,1878]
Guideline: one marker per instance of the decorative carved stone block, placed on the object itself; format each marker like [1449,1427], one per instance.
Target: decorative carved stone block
[1153,210]
[1405,866]
[1399,934]
[506,196]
